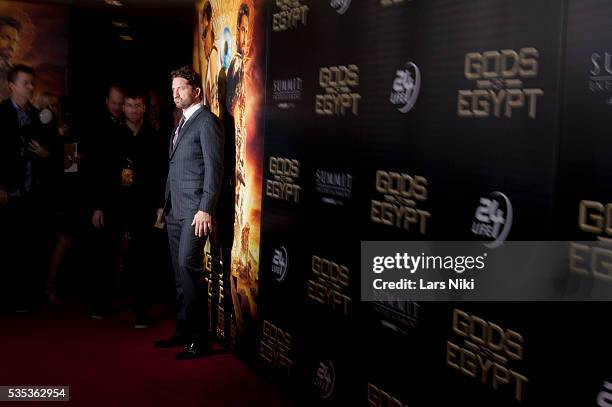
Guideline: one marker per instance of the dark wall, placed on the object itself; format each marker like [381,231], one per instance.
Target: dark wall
[450,157]
[98,57]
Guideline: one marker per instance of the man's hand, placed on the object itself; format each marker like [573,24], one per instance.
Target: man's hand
[37,149]
[161,219]
[4,198]
[63,130]
[203,223]
[98,219]
[78,157]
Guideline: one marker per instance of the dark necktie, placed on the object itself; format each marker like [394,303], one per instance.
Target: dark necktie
[178,130]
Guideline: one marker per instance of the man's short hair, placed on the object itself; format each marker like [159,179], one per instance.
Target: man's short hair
[115,87]
[15,70]
[189,75]
[11,22]
[136,94]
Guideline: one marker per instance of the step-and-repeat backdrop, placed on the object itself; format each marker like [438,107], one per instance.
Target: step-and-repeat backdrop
[414,120]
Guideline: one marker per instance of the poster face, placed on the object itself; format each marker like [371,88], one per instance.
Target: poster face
[34,35]
[229,54]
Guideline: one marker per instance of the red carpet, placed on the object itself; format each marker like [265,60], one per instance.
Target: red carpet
[107,363]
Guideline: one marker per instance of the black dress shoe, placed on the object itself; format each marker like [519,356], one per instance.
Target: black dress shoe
[175,340]
[194,350]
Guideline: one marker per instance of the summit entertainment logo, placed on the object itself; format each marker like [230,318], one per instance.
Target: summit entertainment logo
[600,80]
[335,188]
[287,91]
[396,314]
[493,219]
[406,87]
[341,6]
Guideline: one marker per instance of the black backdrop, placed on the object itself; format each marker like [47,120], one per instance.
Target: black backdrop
[512,104]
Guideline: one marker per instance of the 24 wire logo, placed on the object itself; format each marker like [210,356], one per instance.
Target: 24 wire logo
[604,398]
[406,87]
[341,6]
[325,378]
[493,219]
[280,261]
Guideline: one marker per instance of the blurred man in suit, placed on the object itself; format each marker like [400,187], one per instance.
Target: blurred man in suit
[24,160]
[140,178]
[103,173]
[192,191]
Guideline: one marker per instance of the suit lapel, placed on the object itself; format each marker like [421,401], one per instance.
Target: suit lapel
[183,131]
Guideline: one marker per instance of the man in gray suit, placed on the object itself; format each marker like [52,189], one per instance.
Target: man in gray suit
[192,191]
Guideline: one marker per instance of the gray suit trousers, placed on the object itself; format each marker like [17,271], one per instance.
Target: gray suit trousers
[187,253]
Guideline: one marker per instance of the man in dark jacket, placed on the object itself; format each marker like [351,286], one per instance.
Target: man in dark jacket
[105,146]
[23,157]
[126,165]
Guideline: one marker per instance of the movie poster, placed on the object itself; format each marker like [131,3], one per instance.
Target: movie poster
[35,35]
[229,53]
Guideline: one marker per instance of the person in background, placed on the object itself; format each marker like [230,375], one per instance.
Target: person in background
[104,183]
[142,161]
[155,111]
[161,119]
[64,191]
[24,154]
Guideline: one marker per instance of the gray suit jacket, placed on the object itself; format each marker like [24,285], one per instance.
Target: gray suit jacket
[196,166]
